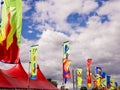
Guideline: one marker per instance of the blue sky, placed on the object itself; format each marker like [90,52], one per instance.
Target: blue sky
[91,26]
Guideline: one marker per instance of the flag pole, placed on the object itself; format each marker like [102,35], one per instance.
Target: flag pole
[29,76]
[76,80]
[73,79]
[29,73]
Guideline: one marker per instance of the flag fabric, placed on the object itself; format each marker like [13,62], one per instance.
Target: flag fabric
[89,74]
[79,77]
[116,84]
[112,84]
[10,31]
[33,54]
[94,81]
[66,62]
[98,70]
[66,70]
[108,82]
[103,79]
[66,50]
[98,80]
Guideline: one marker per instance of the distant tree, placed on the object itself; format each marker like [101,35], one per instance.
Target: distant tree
[83,88]
[52,82]
[94,88]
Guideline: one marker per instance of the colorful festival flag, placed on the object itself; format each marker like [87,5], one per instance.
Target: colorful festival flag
[89,74]
[112,84]
[66,62]
[66,70]
[66,50]
[10,31]
[79,77]
[98,70]
[108,82]
[98,80]
[103,79]
[33,54]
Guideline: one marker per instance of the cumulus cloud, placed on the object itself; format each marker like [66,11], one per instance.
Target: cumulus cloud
[99,41]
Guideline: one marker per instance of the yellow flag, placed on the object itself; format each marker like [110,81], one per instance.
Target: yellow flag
[79,77]
[33,55]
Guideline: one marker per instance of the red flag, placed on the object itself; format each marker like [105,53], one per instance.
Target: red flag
[89,74]
[10,31]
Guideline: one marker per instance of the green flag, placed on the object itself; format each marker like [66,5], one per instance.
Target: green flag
[79,77]
[10,31]
[33,55]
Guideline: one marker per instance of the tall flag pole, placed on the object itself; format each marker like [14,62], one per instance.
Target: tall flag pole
[10,31]
[33,61]
[108,82]
[79,77]
[89,74]
[112,84]
[98,71]
[103,80]
[66,62]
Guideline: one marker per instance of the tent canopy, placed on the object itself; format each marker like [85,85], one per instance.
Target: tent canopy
[16,77]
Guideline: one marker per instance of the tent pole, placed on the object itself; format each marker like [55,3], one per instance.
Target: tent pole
[29,76]
[73,79]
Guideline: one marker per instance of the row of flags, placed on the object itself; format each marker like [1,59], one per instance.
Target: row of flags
[66,61]
[99,80]
[10,37]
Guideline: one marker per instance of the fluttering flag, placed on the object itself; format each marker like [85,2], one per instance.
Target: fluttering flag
[108,82]
[33,55]
[112,84]
[95,81]
[89,74]
[66,50]
[66,62]
[66,70]
[98,70]
[98,80]
[10,31]
[79,77]
[103,80]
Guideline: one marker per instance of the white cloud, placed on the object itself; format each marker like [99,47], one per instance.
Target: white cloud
[97,41]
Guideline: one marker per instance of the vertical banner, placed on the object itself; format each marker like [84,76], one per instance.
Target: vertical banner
[66,50]
[66,62]
[98,70]
[79,77]
[33,55]
[108,82]
[89,74]
[103,80]
[112,84]
[10,31]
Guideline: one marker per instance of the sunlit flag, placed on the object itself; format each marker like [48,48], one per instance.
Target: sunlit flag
[79,77]
[103,80]
[66,62]
[10,31]
[98,80]
[66,70]
[89,74]
[108,82]
[112,84]
[98,70]
[66,50]
[33,58]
